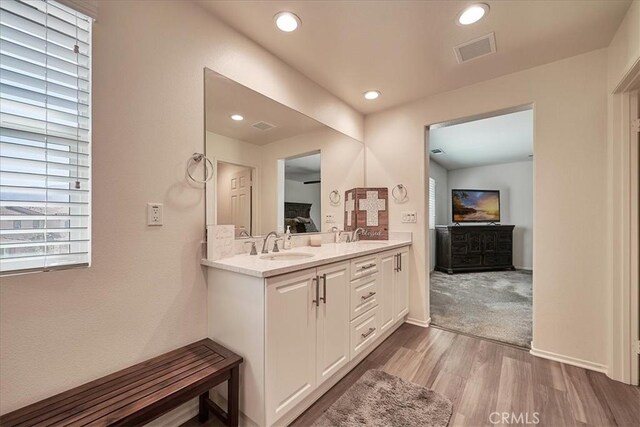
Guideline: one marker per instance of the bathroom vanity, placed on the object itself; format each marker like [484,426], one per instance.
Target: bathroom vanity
[303,318]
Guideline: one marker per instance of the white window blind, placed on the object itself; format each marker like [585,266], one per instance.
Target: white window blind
[45,121]
[432,203]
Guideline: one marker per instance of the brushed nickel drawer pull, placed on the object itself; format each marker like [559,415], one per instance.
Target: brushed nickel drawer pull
[316,301]
[369,332]
[365,297]
[368,266]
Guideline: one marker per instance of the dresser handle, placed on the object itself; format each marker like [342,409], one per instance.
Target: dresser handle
[369,332]
[365,297]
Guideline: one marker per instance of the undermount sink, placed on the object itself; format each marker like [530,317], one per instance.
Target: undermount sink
[287,256]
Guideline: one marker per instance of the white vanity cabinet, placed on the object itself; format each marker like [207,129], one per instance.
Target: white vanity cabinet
[307,333]
[300,330]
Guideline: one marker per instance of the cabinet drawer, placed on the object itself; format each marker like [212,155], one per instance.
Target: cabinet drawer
[459,237]
[459,249]
[464,261]
[364,331]
[494,260]
[365,266]
[364,294]
[504,246]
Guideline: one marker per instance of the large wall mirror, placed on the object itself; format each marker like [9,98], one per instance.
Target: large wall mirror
[273,166]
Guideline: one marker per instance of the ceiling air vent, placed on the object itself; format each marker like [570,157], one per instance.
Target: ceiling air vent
[263,125]
[476,48]
[437,151]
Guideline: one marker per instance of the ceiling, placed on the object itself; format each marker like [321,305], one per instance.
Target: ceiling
[304,168]
[405,48]
[501,139]
[224,97]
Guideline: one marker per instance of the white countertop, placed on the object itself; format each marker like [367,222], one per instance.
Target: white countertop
[255,265]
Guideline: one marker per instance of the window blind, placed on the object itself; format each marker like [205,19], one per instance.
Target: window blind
[45,135]
[432,203]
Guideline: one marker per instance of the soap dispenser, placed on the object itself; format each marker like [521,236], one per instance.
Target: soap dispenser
[287,244]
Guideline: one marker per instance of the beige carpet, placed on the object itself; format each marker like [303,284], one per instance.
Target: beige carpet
[494,304]
[379,399]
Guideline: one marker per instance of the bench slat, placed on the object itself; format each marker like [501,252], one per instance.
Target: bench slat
[134,393]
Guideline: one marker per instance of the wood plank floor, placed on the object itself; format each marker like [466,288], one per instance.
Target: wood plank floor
[481,377]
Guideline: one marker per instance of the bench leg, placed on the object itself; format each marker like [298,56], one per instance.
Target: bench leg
[233,408]
[203,408]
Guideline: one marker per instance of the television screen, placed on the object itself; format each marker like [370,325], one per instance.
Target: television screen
[475,205]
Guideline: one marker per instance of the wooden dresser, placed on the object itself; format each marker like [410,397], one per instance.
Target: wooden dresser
[474,248]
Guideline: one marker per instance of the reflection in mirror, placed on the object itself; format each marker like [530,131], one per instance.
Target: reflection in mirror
[274,166]
[302,199]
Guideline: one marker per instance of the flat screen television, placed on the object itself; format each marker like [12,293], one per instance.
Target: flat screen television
[475,205]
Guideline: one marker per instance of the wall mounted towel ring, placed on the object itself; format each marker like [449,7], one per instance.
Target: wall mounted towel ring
[334,197]
[195,159]
[399,193]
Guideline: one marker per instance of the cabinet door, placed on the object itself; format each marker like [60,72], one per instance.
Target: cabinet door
[386,313]
[332,331]
[401,294]
[290,359]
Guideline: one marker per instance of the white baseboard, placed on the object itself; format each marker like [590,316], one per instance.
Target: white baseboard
[178,416]
[422,323]
[592,366]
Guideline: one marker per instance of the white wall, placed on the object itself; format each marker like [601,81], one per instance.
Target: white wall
[515,182]
[570,253]
[299,192]
[145,292]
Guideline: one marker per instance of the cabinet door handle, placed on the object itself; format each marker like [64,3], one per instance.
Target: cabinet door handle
[400,262]
[365,297]
[369,332]
[317,282]
[397,267]
[324,288]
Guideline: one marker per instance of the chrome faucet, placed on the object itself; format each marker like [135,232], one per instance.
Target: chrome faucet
[356,234]
[348,236]
[265,249]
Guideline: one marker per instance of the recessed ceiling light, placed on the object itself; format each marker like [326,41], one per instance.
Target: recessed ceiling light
[287,21]
[371,94]
[473,14]
[236,117]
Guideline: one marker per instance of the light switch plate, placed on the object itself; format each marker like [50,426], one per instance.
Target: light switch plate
[154,213]
[330,218]
[409,217]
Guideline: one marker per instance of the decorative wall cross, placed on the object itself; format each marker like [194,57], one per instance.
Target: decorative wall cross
[349,207]
[372,205]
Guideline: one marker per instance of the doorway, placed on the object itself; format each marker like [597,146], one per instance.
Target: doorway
[480,193]
[234,197]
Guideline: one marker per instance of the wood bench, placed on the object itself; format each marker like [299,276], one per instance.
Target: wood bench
[143,392]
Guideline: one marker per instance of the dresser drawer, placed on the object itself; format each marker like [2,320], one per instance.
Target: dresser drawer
[364,266]
[364,331]
[459,249]
[495,260]
[466,261]
[459,237]
[364,294]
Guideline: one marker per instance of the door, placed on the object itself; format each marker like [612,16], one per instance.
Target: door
[401,284]
[386,313]
[240,202]
[290,358]
[332,334]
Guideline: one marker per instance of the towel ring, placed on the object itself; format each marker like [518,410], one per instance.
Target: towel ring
[400,193]
[197,158]
[334,197]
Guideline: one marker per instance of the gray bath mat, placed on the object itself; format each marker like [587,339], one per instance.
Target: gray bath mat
[379,399]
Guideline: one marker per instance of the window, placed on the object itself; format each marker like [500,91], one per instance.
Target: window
[45,188]
[432,203]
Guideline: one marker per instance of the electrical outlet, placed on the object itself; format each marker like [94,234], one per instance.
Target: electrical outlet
[330,218]
[154,213]
[410,217]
